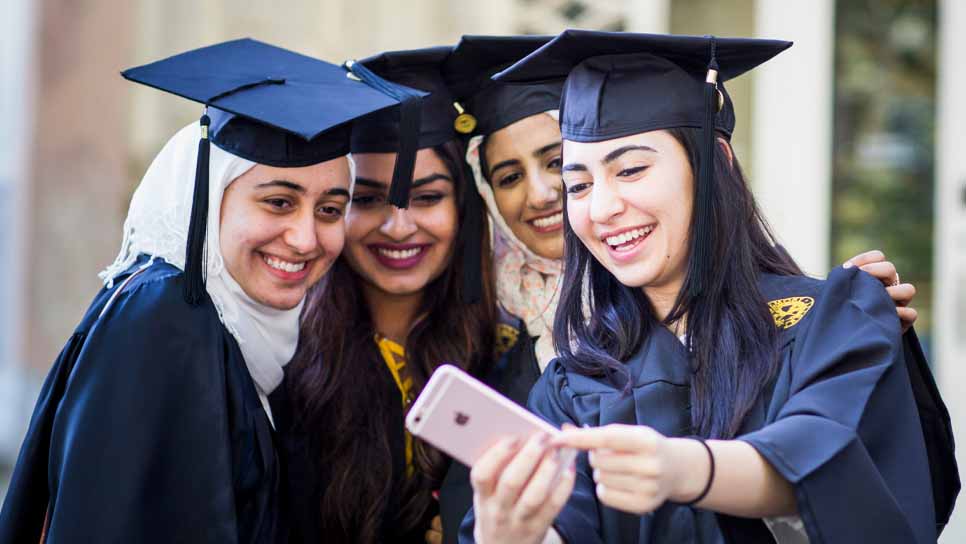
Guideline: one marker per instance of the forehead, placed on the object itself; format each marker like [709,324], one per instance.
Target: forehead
[533,131]
[315,179]
[379,166]
[594,152]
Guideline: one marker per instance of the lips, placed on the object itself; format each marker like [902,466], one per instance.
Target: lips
[624,244]
[547,223]
[284,269]
[399,256]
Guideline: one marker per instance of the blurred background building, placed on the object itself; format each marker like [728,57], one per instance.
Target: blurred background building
[853,139]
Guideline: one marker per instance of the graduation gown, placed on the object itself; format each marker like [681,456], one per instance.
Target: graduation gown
[839,422]
[513,375]
[148,429]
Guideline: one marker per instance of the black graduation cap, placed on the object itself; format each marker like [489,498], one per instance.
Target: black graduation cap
[439,116]
[494,105]
[617,84]
[265,104]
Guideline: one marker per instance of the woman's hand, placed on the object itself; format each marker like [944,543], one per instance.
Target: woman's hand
[637,469]
[435,533]
[874,262]
[518,491]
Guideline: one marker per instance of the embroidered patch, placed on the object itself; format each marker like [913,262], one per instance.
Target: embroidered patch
[787,312]
[506,338]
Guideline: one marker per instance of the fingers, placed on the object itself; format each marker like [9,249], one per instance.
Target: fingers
[902,294]
[907,316]
[883,271]
[519,470]
[436,524]
[613,437]
[862,259]
[625,501]
[539,488]
[488,468]
[610,461]
[561,493]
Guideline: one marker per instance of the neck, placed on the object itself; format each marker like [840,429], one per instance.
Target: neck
[393,315]
[662,298]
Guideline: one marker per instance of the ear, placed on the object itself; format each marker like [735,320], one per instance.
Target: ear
[726,148]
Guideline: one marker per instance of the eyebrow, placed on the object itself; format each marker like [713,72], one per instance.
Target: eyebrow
[613,155]
[505,164]
[282,183]
[539,152]
[574,167]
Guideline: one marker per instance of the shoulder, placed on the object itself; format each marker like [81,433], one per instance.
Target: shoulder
[798,299]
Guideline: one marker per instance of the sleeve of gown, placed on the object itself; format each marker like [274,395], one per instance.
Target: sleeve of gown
[579,521]
[140,445]
[846,435]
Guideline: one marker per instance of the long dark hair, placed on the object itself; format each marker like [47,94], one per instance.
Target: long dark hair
[731,335]
[337,367]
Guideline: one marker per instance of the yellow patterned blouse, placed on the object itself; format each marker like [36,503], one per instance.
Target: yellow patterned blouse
[394,356]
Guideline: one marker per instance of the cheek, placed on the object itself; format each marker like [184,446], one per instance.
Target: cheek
[332,238]
[509,202]
[441,221]
[358,224]
[578,217]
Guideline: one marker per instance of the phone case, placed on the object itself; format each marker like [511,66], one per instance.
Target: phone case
[463,417]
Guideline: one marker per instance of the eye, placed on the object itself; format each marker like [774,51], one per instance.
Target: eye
[554,164]
[578,188]
[427,199]
[330,212]
[629,172]
[367,201]
[510,179]
[279,203]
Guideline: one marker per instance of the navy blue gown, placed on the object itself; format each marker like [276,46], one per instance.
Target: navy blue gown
[148,429]
[839,422]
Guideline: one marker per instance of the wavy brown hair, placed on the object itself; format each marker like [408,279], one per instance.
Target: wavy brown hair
[337,367]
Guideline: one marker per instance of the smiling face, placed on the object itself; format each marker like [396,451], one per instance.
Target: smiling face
[523,160]
[629,202]
[399,251]
[282,228]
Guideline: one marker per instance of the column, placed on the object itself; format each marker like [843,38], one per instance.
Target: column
[950,232]
[792,127]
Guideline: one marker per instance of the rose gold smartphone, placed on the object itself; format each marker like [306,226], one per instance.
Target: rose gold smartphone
[463,417]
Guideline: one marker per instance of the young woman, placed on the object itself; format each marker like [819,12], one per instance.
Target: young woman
[514,152]
[392,309]
[730,397]
[153,425]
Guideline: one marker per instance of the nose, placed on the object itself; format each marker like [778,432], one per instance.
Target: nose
[543,190]
[301,234]
[399,225]
[605,202]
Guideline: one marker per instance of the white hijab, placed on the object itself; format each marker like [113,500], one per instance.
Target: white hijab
[157,225]
[527,285]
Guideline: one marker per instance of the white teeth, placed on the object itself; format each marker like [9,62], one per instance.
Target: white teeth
[625,237]
[399,253]
[285,266]
[548,221]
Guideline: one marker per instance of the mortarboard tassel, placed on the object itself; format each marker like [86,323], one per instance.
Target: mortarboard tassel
[410,112]
[704,201]
[472,242]
[194,259]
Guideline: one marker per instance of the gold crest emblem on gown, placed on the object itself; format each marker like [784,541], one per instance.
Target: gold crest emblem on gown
[506,338]
[787,312]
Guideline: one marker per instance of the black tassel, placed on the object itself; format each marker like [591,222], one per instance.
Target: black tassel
[472,242]
[194,258]
[704,202]
[410,114]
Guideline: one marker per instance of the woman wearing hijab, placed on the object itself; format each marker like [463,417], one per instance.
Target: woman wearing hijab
[153,425]
[729,397]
